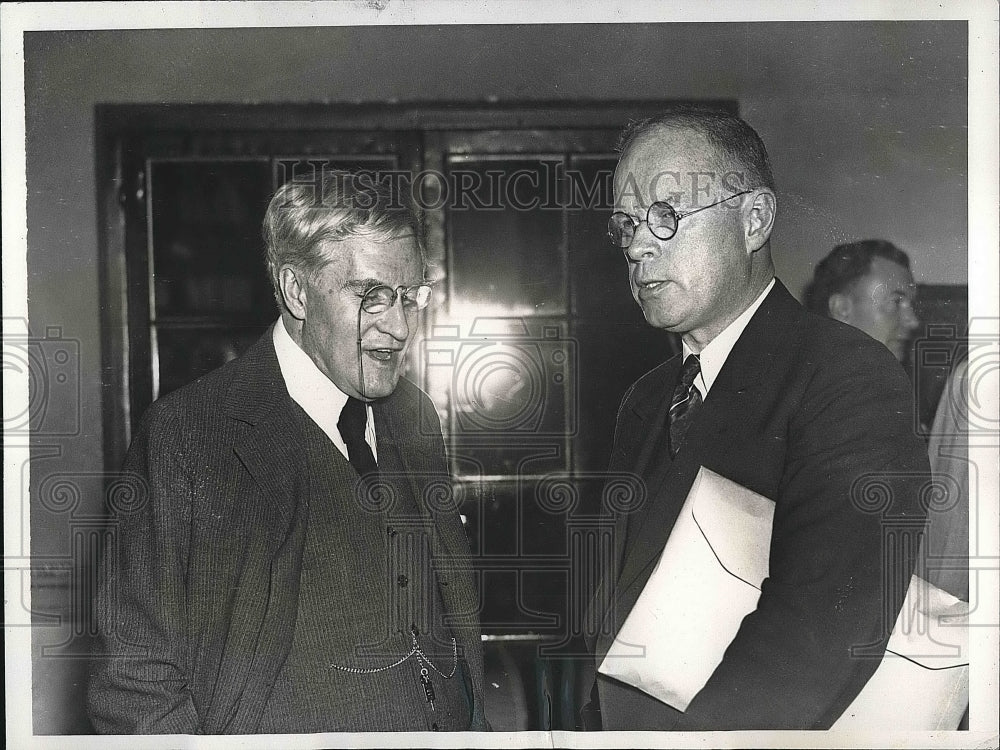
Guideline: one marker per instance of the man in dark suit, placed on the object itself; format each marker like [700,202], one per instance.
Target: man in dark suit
[806,411]
[869,285]
[293,562]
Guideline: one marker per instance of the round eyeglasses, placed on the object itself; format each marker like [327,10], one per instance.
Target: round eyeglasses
[661,218]
[380,298]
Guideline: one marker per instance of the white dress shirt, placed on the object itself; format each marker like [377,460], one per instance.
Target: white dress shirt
[714,356]
[319,398]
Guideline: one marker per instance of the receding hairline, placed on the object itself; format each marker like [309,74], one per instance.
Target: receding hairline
[716,159]
[655,132]
[735,146]
[649,130]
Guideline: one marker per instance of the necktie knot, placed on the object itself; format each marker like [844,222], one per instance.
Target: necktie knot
[353,420]
[352,424]
[684,403]
[690,370]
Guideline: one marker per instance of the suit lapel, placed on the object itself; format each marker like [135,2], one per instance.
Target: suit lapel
[636,437]
[668,485]
[270,447]
[270,452]
[644,425]
[745,374]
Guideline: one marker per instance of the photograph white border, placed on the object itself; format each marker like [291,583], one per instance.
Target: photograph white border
[984,199]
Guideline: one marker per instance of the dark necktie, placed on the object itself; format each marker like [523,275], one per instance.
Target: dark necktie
[684,404]
[352,423]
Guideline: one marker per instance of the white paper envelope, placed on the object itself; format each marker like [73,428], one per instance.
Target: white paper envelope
[922,682]
[706,581]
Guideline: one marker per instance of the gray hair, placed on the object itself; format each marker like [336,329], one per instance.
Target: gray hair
[303,217]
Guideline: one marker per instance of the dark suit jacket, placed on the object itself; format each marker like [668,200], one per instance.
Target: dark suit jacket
[198,590]
[818,417]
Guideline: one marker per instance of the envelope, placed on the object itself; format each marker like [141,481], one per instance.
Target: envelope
[706,581]
[922,682]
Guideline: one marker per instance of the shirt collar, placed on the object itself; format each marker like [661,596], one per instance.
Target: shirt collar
[319,398]
[714,356]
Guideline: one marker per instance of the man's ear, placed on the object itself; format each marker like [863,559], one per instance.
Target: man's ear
[839,306]
[758,220]
[293,291]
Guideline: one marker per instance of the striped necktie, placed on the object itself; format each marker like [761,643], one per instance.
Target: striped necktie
[684,403]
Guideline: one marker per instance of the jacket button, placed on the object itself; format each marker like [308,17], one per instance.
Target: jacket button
[390,531]
[434,727]
[402,580]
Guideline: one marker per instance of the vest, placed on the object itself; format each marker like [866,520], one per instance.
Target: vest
[370,646]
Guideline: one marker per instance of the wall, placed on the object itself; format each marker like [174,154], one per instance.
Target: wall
[866,124]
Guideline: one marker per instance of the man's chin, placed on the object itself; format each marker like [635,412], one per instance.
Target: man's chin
[659,318]
[381,388]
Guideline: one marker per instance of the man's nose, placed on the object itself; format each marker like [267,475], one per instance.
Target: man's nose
[395,322]
[644,245]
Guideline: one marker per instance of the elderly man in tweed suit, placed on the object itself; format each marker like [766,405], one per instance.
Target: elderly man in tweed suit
[296,565]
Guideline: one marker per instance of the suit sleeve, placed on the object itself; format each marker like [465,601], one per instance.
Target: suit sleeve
[139,678]
[844,541]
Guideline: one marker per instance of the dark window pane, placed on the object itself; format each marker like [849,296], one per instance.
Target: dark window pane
[208,254]
[506,234]
[537,546]
[599,271]
[188,353]
[612,356]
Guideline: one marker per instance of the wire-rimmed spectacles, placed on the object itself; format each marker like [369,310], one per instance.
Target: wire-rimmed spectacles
[380,298]
[661,218]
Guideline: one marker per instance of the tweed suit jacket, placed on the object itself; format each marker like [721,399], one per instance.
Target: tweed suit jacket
[198,588]
[818,417]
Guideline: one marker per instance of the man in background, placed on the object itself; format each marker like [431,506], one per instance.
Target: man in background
[868,285]
[290,567]
[795,407]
